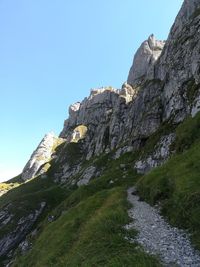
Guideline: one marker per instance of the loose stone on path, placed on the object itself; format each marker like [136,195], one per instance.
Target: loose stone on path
[159,238]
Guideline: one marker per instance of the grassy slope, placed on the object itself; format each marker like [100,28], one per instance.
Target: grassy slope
[10,184]
[90,233]
[88,230]
[177,183]
[23,200]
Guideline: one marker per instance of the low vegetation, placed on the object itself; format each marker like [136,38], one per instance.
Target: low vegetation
[7,186]
[176,185]
[87,228]
[89,233]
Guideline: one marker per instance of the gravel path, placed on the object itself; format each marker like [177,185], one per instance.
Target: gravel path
[158,237]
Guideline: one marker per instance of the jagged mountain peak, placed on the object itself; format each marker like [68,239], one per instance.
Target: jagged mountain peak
[155,44]
[144,59]
[37,163]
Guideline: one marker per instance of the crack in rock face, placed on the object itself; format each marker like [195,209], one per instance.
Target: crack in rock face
[157,237]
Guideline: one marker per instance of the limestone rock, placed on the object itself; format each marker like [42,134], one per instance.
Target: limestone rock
[160,154]
[23,226]
[87,175]
[144,59]
[40,156]
[128,92]
[74,108]
[195,106]
[68,172]
[188,9]
[94,113]
[24,246]
[160,88]
[179,62]
[122,150]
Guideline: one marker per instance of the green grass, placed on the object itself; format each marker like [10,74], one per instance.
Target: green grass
[176,185]
[70,153]
[26,198]
[89,234]
[11,184]
[187,133]
[34,186]
[8,186]
[88,227]
[89,219]
[112,172]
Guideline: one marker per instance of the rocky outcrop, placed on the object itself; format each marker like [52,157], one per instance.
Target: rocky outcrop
[22,228]
[163,85]
[91,110]
[159,156]
[144,59]
[87,175]
[128,92]
[178,66]
[117,118]
[66,172]
[41,156]
[114,117]
[95,113]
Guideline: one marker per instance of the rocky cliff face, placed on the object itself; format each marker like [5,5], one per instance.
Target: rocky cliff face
[22,227]
[40,158]
[178,66]
[98,113]
[144,60]
[162,86]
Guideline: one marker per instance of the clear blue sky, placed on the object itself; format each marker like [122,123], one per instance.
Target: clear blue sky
[53,52]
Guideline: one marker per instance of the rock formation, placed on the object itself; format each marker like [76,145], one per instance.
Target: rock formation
[144,59]
[22,227]
[163,86]
[40,157]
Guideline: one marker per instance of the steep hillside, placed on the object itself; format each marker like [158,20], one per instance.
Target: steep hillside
[69,206]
